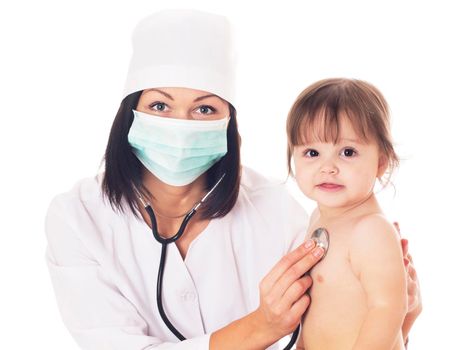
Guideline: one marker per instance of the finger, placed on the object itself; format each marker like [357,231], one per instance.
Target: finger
[410,257]
[404,246]
[297,310]
[286,262]
[412,272]
[412,301]
[295,272]
[295,292]
[412,290]
[397,227]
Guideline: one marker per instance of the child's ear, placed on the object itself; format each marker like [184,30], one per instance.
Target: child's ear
[383,165]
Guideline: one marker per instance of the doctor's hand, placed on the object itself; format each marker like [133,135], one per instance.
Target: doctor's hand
[283,298]
[415,306]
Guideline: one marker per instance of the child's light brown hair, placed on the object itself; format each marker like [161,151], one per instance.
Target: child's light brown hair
[317,110]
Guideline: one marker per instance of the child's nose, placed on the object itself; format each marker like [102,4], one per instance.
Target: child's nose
[329,168]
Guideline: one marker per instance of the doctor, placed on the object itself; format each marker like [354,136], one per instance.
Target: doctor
[235,278]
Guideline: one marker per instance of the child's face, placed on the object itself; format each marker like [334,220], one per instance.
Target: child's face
[338,175]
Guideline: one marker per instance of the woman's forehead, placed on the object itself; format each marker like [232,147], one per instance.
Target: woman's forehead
[174,93]
[178,91]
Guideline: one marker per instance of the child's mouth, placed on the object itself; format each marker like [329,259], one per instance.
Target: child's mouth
[330,187]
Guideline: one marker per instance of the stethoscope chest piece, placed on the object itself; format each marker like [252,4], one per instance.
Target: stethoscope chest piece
[321,238]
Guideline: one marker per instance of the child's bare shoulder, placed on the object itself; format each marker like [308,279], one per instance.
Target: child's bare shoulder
[373,231]
[375,243]
[372,224]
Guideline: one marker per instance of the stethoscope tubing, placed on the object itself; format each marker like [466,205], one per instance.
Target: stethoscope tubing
[173,238]
[165,242]
[161,310]
[161,269]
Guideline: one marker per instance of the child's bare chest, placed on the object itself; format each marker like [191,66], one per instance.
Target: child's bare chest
[335,274]
[338,302]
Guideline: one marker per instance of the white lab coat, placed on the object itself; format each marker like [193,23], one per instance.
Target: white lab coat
[103,266]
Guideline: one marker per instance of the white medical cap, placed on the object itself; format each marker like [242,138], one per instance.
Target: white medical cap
[183,48]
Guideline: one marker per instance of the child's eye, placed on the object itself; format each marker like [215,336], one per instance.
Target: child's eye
[348,152]
[311,153]
[205,110]
[159,106]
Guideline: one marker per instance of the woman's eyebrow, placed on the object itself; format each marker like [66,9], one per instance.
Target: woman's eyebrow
[171,98]
[203,97]
[161,92]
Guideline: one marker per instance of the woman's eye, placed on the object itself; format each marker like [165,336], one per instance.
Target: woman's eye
[205,110]
[348,152]
[159,106]
[311,153]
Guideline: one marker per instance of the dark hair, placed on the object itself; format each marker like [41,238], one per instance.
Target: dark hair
[123,171]
[322,103]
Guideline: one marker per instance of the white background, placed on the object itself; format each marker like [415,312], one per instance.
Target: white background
[63,66]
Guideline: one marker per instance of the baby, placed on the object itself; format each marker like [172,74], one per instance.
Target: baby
[339,139]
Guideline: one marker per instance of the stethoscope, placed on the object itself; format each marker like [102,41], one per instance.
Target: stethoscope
[320,237]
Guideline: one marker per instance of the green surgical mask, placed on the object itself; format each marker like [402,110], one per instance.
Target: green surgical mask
[177,151]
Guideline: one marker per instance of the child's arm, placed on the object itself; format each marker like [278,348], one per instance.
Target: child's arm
[376,258]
